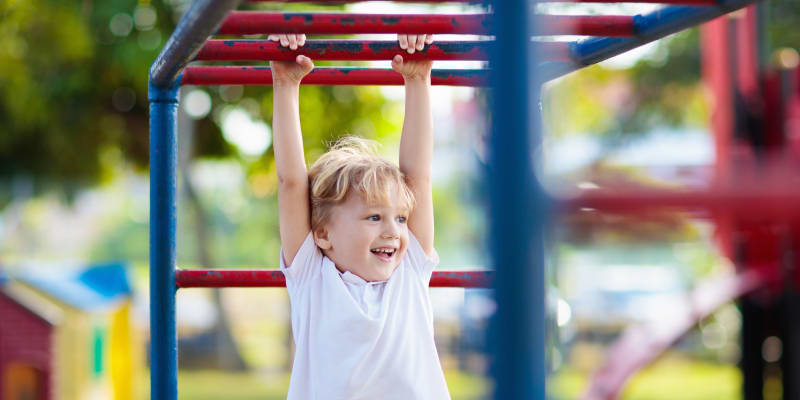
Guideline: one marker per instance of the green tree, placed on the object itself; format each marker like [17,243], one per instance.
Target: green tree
[73,94]
[73,98]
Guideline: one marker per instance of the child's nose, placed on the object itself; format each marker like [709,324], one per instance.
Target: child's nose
[391,229]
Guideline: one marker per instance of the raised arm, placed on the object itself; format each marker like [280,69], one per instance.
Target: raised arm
[293,203]
[416,143]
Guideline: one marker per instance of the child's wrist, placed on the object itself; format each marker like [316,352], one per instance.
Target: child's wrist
[411,79]
[285,83]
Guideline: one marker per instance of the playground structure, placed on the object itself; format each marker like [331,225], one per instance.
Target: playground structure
[750,171]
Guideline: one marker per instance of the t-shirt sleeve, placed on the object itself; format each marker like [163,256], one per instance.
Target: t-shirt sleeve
[419,261]
[305,264]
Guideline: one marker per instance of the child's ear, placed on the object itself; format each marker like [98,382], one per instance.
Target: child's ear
[321,239]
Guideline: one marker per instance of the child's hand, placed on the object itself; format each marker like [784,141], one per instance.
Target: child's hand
[290,72]
[413,70]
[411,43]
[290,40]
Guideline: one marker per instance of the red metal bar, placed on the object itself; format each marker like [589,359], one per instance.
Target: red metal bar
[231,75]
[255,50]
[717,63]
[185,278]
[259,50]
[746,200]
[257,22]
[587,25]
[249,23]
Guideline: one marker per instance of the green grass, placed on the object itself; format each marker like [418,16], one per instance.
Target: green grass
[217,385]
[671,378]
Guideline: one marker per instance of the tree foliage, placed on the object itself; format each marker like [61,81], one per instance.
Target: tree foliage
[663,89]
[73,94]
[782,18]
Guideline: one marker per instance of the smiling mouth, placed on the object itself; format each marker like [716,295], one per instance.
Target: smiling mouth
[384,254]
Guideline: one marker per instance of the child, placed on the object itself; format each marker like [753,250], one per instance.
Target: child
[357,236]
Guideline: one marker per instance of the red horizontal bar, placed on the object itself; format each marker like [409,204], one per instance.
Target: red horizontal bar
[237,75]
[257,22]
[185,278]
[587,25]
[744,201]
[370,50]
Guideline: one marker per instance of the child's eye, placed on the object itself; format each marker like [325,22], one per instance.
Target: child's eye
[374,218]
[401,220]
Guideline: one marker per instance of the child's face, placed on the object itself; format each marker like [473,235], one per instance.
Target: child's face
[369,240]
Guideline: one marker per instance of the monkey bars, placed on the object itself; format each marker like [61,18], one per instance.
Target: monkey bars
[516,201]
[620,34]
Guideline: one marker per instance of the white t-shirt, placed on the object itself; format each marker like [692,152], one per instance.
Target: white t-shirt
[362,340]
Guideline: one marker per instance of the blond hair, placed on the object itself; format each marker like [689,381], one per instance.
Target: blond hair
[352,166]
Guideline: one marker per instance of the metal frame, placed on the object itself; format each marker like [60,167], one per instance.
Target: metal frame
[517,249]
[200,21]
[516,213]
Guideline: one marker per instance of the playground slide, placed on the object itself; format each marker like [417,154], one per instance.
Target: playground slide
[639,345]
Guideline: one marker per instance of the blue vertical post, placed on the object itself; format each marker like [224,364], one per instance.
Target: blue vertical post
[517,328]
[201,20]
[163,219]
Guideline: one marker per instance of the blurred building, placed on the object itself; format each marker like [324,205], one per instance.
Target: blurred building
[68,335]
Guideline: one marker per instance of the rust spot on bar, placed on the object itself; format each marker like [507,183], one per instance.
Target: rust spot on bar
[377,47]
[390,20]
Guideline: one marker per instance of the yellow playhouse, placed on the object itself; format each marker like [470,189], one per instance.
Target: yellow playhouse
[68,336]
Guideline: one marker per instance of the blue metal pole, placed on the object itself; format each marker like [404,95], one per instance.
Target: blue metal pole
[200,21]
[647,28]
[163,219]
[517,328]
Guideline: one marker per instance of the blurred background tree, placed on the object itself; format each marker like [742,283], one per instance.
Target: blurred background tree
[661,89]
[73,98]
[73,95]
